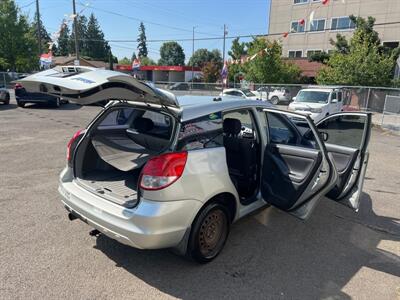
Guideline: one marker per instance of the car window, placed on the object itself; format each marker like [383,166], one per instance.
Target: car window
[340,96]
[200,133]
[117,117]
[291,131]
[312,97]
[344,130]
[246,119]
[334,96]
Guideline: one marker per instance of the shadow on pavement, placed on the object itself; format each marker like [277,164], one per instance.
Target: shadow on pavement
[7,106]
[273,255]
[68,106]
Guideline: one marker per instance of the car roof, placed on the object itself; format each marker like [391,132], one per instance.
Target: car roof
[193,107]
[318,90]
[230,90]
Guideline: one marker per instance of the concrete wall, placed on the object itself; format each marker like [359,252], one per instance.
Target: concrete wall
[285,11]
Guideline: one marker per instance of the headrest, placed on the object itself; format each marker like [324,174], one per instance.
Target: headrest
[232,126]
[143,125]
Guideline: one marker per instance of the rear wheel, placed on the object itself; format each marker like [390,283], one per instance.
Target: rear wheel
[275,100]
[7,100]
[21,104]
[209,233]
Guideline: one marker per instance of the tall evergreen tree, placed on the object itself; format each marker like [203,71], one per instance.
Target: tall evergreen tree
[63,42]
[96,46]
[142,46]
[82,28]
[133,56]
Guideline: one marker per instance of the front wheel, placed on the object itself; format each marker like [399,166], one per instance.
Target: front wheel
[57,103]
[209,233]
[275,100]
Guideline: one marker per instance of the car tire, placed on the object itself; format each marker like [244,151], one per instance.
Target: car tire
[21,104]
[57,103]
[275,100]
[209,233]
[7,100]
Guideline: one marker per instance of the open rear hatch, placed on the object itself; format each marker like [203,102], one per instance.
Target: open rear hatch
[84,85]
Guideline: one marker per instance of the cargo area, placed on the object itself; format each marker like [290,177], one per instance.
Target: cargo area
[109,159]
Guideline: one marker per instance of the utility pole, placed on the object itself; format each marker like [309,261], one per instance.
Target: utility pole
[76,31]
[192,55]
[38,27]
[223,47]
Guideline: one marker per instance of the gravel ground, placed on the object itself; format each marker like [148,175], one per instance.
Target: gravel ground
[336,254]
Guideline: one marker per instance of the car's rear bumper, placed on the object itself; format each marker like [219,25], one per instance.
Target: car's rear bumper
[149,225]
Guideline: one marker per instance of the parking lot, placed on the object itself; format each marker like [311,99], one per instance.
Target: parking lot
[336,254]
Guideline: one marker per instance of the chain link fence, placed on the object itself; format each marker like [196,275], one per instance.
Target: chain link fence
[7,77]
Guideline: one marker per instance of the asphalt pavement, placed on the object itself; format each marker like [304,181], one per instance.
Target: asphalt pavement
[336,254]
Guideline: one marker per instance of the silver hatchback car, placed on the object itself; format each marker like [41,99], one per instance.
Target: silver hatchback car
[156,171]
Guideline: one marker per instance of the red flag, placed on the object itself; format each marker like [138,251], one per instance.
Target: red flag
[324,2]
[285,34]
[302,22]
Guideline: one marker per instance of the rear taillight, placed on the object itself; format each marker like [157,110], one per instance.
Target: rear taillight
[17,86]
[163,170]
[72,143]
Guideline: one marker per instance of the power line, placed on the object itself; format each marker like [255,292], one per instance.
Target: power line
[229,37]
[141,20]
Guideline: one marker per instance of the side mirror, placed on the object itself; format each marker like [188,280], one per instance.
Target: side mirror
[323,135]
[334,101]
[294,99]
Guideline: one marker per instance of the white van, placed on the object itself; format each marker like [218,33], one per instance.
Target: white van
[318,103]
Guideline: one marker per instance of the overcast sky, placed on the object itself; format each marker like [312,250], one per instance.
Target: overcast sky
[164,20]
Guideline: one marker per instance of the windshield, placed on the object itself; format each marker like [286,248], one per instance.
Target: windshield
[248,93]
[313,97]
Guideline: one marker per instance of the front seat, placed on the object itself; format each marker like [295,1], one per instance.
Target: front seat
[241,157]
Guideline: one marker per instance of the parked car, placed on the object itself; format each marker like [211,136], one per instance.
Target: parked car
[23,97]
[4,95]
[180,86]
[274,95]
[318,103]
[242,93]
[153,170]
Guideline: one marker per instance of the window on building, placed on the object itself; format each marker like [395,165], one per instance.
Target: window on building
[297,27]
[391,45]
[300,1]
[342,23]
[295,53]
[312,52]
[317,25]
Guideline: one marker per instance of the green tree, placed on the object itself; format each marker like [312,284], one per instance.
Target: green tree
[321,57]
[202,56]
[44,35]
[133,56]
[147,61]
[365,62]
[171,54]
[142,46]
[82,38]
[96,46]
[268,66]
[238,49]
[18,46]
[63,48]
[125,61]
[211,72]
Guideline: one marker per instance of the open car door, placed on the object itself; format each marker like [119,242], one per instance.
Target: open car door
[347,136]
[84,85]
[296,171]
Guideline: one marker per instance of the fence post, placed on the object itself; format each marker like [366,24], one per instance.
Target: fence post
[383,112]
[369,94]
